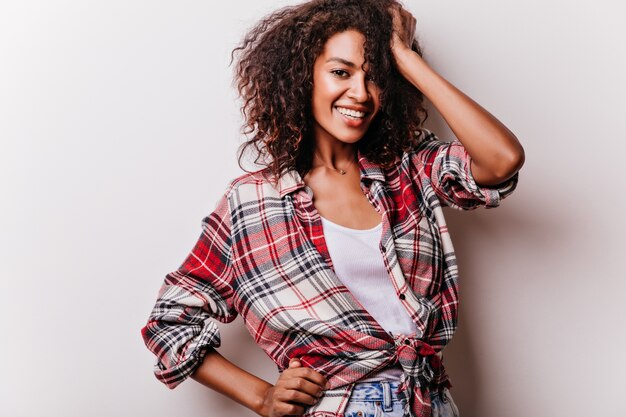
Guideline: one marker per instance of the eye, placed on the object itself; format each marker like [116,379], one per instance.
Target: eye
[340,73]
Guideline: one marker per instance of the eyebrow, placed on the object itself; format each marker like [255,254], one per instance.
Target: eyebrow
[342,61]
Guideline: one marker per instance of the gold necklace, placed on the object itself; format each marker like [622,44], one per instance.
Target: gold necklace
[341,171]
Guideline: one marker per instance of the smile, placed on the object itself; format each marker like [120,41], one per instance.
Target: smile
[354,114]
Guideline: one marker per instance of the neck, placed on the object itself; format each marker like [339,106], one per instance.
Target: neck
[334,156]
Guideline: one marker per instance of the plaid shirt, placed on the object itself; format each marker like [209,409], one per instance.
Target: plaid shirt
[262,254]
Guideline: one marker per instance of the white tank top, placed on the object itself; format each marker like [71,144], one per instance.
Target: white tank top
[359,265]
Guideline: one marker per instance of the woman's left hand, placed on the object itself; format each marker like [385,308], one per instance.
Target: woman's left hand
[496,154]
[403,31]
[402,39]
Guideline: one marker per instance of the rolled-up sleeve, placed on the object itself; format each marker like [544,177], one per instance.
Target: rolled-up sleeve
[180,329]
[447,165]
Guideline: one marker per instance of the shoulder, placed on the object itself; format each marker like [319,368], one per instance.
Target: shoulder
[427,141]
[421,154]
[430,149]
[252,185]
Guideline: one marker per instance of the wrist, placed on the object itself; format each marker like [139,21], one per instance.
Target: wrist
[404,57]
[412,67]
[401,51]
[261,406]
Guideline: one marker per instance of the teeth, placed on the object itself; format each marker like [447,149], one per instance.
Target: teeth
[351,113]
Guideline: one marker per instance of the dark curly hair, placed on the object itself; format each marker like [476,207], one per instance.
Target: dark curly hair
[274,78]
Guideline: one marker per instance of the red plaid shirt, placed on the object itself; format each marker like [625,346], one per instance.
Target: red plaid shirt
[262,254]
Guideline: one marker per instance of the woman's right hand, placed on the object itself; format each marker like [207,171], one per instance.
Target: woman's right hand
[297,388]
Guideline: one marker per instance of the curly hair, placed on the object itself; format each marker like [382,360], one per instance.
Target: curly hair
[274,78]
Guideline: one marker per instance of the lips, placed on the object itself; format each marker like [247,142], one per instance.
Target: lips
[348,119]
[353,113]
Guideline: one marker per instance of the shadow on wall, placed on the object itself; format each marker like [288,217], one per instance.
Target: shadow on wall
[464,360]
[486,242]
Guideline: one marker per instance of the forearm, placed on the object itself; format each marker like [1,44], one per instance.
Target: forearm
[495,151]
[221,375]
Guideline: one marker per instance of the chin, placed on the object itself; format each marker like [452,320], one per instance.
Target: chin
[341,134]
[349,136]
[349,139]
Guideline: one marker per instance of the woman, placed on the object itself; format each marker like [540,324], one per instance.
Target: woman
[336,253]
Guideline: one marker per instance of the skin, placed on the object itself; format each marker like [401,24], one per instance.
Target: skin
[296,387]
[340,81]
[495,152]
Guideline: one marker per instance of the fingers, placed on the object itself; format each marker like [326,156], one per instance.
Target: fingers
[301,379]
[287,409]
[403,24]
[296,369]
[297,388]
[409,26]
[303,385]
[307,374]
[297,396]
[397,20]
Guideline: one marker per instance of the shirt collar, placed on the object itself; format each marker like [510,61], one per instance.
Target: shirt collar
[291,181]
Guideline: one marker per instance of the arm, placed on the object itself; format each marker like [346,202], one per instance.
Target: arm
[495,151]
[221,375]
[296,384]
[183,338]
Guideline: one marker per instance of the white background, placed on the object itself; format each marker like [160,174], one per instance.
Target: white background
[119,128]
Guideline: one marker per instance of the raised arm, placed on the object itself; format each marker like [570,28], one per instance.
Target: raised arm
[495,151]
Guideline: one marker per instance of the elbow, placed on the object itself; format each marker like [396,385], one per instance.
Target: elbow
[503,166]
[515,160]
[509,163]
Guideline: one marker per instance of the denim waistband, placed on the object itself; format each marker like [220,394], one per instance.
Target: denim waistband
[375,391]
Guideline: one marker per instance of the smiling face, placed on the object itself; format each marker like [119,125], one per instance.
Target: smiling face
[344,101]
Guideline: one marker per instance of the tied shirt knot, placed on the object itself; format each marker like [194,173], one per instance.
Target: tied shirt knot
[418,359]
[421,365]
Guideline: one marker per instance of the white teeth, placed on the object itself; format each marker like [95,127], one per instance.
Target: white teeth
[351,113]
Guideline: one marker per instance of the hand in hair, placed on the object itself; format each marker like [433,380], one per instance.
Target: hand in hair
[403,29]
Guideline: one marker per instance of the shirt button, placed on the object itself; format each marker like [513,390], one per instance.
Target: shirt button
[402,296]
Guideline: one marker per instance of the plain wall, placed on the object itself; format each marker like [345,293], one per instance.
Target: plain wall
[119,128]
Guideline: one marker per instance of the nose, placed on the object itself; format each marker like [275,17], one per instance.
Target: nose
[358,89]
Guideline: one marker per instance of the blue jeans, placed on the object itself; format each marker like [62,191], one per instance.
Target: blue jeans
[380,399]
